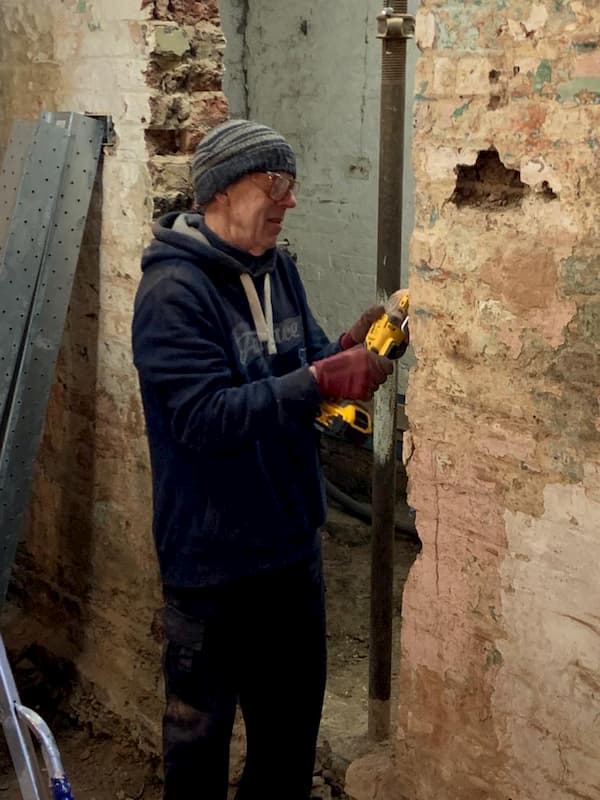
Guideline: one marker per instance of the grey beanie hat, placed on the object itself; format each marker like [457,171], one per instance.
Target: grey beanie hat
[233,149]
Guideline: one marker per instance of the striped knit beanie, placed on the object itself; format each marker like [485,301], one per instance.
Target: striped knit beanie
[233,149]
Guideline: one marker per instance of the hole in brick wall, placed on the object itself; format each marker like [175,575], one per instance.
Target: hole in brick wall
[178,201]
[547,192]
[495,102]
[488,183]
[186,12]
[494,76]
[162,142]
[159,10]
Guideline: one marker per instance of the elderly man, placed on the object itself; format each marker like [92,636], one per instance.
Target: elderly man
[232,368]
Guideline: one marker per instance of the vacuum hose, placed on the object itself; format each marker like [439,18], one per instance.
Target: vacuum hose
[364,512]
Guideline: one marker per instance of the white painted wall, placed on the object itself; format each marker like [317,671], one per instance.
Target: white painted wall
[312,71]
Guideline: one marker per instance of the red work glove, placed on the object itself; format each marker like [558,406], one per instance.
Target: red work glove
[356,334]
[353,374]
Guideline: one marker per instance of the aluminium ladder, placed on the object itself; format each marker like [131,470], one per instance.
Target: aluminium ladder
[46,184]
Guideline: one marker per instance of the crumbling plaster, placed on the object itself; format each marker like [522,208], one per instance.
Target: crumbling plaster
[500,682]
[500,686]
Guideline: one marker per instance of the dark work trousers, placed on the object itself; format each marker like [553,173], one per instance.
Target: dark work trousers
[260,642]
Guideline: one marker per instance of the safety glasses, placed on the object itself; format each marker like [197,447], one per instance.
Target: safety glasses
[277,187]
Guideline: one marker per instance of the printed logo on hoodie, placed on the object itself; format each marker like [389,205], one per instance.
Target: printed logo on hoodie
[288,335]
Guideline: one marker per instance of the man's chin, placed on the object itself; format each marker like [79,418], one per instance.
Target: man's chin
[261,248]
[269,242]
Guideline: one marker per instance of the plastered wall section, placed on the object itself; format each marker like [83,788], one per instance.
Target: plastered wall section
[313,72]
[500,676]
[87,571]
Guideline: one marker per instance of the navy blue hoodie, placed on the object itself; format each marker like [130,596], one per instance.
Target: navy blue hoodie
[236,477]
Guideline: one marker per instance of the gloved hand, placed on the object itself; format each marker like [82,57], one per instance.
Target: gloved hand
[356,334]
[353,374]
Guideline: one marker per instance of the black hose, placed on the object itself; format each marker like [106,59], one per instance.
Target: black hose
[363,511]
[356,508]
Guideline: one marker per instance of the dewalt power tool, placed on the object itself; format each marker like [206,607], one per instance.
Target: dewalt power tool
[345,419]
[387,337]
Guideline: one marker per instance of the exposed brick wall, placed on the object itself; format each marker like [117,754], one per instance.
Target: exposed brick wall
[185,69]
[183,12]
[500,678]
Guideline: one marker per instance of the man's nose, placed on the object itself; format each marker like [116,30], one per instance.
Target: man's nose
[289,201]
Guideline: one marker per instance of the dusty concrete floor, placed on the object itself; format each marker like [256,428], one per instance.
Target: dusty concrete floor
[105,768]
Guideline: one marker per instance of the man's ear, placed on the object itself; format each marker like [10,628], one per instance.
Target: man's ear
[222,198]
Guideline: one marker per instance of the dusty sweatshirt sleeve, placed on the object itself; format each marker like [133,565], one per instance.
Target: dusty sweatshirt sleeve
[179,354]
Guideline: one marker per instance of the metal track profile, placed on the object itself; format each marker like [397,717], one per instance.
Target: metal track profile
[44,199]
[12,170]
[45,189]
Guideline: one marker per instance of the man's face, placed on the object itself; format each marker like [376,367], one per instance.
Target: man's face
[255,219]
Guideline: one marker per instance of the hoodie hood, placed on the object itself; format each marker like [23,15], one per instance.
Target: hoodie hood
[185,236]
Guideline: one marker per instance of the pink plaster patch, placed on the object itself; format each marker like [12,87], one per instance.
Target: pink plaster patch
[587,66]
[525,280]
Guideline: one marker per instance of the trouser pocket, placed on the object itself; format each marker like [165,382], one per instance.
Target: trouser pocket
[200,702]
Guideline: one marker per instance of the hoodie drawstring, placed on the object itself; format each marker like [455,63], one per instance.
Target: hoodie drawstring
[264,326]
